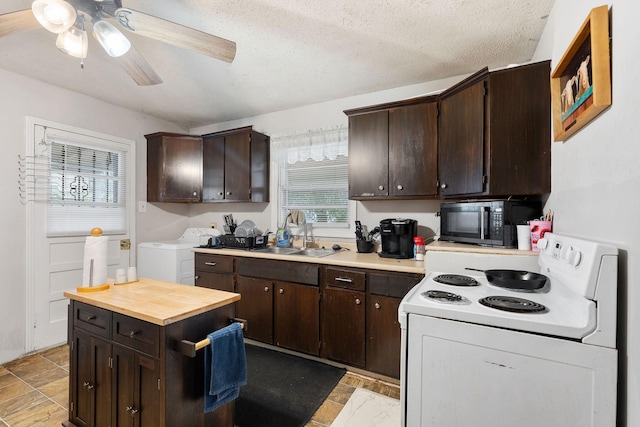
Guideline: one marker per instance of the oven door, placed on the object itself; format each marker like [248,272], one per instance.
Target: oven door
[459,375]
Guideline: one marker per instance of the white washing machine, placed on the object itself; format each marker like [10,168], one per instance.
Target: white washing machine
[172,260]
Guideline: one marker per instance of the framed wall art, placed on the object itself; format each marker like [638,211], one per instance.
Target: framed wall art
[581,82]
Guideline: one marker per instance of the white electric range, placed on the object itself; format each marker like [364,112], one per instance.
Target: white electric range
[478,355]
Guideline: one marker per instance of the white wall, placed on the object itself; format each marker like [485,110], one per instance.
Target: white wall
[23,97]
[596,173]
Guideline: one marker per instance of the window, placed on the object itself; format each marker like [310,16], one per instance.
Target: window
[313,176]
[87,185]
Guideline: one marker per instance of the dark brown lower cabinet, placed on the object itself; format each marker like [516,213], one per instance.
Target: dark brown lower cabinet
[126,372]
[256,307]
[296,313]
[343,327]
[383,336]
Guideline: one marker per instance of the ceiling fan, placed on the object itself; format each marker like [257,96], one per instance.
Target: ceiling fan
[68,19]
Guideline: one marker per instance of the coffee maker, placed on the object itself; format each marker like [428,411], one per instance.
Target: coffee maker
[397,236]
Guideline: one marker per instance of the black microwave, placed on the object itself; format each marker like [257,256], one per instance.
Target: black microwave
[487,223]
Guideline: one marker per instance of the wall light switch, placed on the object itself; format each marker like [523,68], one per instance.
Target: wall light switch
[142,206]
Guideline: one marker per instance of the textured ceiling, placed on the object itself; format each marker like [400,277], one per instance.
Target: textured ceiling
[289,52]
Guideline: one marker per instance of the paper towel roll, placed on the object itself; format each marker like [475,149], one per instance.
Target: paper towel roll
[95,248]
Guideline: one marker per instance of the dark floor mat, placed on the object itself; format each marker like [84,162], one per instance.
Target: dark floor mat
[282,390]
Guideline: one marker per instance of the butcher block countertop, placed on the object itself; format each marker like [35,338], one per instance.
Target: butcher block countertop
[156,301]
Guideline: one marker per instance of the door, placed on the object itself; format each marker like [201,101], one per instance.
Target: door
[369,155]
[237,167]
[256,307]
[297,317]
[343,325]
[55,259]
[383,336]
[461,145]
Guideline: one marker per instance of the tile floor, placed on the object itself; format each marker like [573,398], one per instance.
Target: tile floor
[34,391]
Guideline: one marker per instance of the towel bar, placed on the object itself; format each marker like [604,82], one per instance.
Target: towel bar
[189,348]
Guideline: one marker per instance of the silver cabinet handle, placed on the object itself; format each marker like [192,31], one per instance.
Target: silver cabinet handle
[343,279]
[132,410]
[443,185]
[87,385]
[90,318]
[228,193]
[377,305]
[196,277]
[212,264]
[358,301]
[381,187]
[400,187]
[266,289]
[195,193]
[281,291]
[132,334]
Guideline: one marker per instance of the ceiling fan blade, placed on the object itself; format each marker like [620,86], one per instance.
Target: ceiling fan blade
[176,34]
[138,68]
[15,22]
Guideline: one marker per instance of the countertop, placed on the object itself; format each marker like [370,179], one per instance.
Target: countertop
[156,301]
[352,258]
[343,258]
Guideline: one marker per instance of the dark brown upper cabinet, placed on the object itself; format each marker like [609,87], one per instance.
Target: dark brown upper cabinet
[393,150]
[495,134]
[174,168]
[236,166]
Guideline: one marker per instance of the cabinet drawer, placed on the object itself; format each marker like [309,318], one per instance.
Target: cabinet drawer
[92,319]
[392,285]
[294,272]
[214,263]
[343,278]
[137,334]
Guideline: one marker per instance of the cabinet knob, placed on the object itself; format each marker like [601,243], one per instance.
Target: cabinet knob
[399,187]
[358,302]
[443,185]
[381,187]
[87,385]
[132,334]
[377,305]
[196,277]
[195,193]
[220,193]
[228,193]
[266,289]
[131,410]
[281,291]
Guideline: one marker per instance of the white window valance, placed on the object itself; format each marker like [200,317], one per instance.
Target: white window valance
[317,145]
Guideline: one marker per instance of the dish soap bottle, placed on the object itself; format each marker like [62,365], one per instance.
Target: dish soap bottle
[283,235]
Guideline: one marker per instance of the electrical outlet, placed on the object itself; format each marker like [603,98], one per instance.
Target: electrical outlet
[142,206]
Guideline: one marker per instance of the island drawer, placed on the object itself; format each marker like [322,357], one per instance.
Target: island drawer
[345,278]
[92,319]
[137,334]
[214,263]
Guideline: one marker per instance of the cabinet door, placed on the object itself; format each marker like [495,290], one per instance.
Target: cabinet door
[237,167]
[297,317]
[369,155]
[90,381]
[461,145]
[212,168]
[136,391]
[343,326]
[223,282]
[413,150]
[256,306]
[383,336]
[174,168]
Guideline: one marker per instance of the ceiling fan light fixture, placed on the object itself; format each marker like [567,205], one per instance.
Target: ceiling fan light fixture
[56,16]
[111,39]
[73,42]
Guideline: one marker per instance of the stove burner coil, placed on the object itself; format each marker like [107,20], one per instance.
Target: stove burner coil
[445,297]
[456,280]
[512,304]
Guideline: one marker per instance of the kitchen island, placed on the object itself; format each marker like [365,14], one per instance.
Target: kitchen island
[131,349]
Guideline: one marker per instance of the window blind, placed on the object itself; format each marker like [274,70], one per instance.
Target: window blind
[87,188]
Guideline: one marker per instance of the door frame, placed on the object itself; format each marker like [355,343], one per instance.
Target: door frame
[30,237]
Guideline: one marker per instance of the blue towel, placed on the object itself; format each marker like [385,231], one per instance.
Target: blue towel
[225,367]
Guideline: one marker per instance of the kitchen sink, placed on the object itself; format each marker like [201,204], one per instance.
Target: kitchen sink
[313,253]
[277,250]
